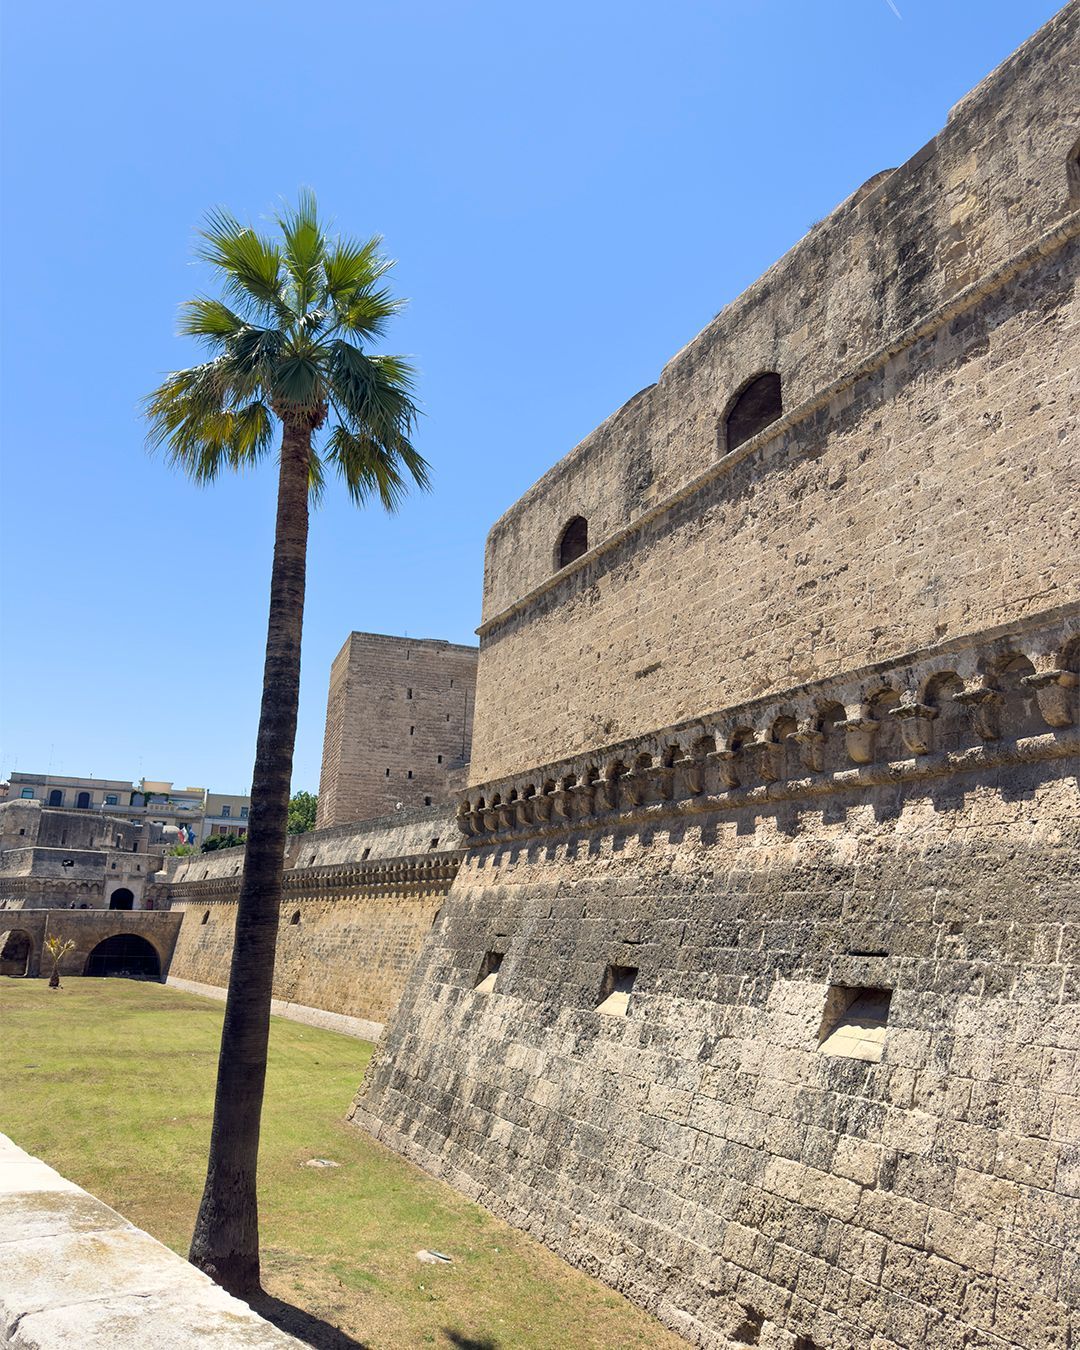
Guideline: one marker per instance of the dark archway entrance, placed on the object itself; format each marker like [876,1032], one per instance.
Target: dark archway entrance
[56,797]
[124,954]
[15,949]
[82,801]
[121,898]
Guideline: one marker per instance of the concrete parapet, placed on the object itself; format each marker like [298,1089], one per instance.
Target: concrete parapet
[78,1274]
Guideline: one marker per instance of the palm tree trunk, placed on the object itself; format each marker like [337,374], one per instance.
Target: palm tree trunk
[225,1243]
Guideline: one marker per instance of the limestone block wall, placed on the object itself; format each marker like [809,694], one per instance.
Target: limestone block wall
[926,339]
[702,1153]
[398,721]
[357,907]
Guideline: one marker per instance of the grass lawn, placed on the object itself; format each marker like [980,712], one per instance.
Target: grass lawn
[111,1082]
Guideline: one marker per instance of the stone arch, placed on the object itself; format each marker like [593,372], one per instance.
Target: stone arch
[127,955]
[1019,709]
[122,898]
[758,402]
[888,742]
[952,726]
[16,952]
[573,541]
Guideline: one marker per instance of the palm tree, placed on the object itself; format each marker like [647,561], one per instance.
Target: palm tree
[288,345]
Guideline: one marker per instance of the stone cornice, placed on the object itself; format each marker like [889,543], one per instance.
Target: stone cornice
[1057,237]
[1006,695]
[415,874]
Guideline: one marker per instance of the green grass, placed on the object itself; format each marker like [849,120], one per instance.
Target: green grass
[111,1082]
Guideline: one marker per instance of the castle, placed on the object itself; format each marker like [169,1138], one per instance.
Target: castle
[743,970]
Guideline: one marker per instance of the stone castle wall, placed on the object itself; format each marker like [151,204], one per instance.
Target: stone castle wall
[358,904]
[398,722]
[756,993]
[925,334]
[705,1153]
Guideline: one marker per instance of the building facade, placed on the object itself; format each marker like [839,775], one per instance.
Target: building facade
[399,719]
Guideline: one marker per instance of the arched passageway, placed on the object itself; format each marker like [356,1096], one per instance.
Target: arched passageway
[124,954]
[121,898]
[15,949]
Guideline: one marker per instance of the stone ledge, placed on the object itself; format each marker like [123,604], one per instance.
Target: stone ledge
[76,1273]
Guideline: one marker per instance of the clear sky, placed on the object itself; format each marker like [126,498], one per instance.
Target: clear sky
[573,190]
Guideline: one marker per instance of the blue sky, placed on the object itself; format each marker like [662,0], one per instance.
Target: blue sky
[572,192]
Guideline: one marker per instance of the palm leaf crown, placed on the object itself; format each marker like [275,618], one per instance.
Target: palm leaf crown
[288,341]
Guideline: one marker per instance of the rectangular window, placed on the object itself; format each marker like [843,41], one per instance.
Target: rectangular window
[438,759]
[412,731]
[244,812]
[410,773]
[408,693]
[27,793]
[111,799]
[854,1023]
[615,990]
[489,973]
[226,811]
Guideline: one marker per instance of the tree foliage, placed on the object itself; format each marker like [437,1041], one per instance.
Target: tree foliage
[303,807]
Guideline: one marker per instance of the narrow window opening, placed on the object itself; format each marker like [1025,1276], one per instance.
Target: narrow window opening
[388,773]
[365,855]
[489,973]
[615,990]
[438,759]
[434,843]
[410,773]
[758,404]
[408,693]
[448,717]
[573,542]
[295,918]
[206,917]
[854,1023]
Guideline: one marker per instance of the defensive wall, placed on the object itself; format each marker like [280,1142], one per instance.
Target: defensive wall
[398,725]
[358,902]
[923,336]
[756,993]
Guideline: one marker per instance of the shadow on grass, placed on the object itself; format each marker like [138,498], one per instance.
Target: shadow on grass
[306,1327]
[468,1342]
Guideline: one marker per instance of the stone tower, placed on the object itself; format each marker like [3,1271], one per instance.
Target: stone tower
[398,725]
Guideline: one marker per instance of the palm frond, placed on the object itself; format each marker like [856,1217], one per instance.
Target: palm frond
[305,250]
[353,266]
[298,382]
[209,319]
[250,264]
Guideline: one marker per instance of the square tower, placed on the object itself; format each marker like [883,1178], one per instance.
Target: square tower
[398,725]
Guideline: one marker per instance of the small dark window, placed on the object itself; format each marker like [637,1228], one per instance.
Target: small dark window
[206,917]
[388,773]
[854,1022]
[427,801]
[489,973]
[615,990]
[410,773]
[573,542]
[434,843]
[448,717]
[408,693]
[365,855]
[412,731]
[295,918]
[759,404]
[438,759]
